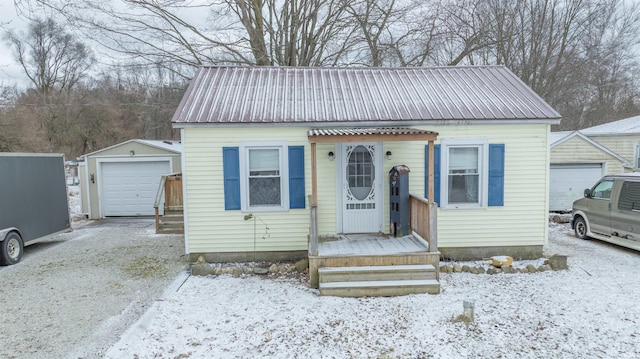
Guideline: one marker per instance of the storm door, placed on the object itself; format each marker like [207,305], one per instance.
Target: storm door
[361,180]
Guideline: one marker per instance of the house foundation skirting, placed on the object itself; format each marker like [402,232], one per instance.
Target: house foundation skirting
[476,253]
[224,257]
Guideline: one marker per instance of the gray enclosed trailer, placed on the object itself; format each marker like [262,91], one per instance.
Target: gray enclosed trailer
[33,201]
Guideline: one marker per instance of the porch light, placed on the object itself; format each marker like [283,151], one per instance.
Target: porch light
[331,156]
[132,153]
[388,155]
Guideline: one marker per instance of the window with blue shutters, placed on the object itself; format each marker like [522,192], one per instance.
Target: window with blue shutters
[264,176]
[468,174]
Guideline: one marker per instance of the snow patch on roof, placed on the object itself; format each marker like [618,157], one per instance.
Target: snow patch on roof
[625,126]
[557,136]
[167,145]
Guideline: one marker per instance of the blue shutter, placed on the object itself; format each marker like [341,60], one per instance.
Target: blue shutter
[496,175]
[436,174]
[231,170]
[296,177]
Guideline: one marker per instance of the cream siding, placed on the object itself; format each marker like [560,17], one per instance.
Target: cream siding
[327,191]
[522,221]
[577,150]
[623,145]
[213,229]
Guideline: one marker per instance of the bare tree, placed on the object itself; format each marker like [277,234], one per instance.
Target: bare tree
[373,41]
[579,55]
[287,32]
[51,58]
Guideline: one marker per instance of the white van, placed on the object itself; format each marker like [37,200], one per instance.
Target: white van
[610,211]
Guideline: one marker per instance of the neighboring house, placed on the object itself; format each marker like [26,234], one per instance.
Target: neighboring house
[580,158]
[274,157]
[123,179]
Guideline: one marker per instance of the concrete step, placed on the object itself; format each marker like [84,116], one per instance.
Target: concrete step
[377,273]
[379,288]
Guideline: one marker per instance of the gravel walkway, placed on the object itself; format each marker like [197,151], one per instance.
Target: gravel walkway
[75,294]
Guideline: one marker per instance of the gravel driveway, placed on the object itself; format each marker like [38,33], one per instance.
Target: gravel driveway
[73,296]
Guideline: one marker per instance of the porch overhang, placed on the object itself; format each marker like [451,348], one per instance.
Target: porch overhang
[393,134]
[370,135]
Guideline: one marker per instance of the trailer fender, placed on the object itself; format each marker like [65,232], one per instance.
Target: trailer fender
[5,231]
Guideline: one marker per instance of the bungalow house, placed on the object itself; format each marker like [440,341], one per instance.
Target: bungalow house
[580,158]
[283,162]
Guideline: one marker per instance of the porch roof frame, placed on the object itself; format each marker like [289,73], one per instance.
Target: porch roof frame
[363,135]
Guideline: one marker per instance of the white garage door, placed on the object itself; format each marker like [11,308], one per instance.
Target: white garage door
[130,188]
[567,183]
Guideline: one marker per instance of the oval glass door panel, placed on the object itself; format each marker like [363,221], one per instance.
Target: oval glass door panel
[360,172]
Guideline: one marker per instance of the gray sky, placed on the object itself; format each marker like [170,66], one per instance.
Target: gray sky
[10,72]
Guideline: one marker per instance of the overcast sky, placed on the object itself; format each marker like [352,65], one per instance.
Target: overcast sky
[10,72]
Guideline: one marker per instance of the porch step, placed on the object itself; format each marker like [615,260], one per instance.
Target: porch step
[171,223]
[377,273]
[378,280]
[385,288]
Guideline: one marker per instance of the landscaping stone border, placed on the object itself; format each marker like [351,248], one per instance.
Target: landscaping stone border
[553,263]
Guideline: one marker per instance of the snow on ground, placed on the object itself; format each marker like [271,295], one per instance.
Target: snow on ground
[591,310]
[73,199]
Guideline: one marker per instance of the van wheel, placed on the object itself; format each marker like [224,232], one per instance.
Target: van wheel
[580,228]
[11,249]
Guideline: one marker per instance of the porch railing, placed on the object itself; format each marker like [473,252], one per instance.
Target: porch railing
[423,220]
[171,187]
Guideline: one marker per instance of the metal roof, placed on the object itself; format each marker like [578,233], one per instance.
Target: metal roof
[356,134]
[627,126]
[307,95]
[369,131]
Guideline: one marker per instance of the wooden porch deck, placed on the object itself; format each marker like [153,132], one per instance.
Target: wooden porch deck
[364,257]
[371,244]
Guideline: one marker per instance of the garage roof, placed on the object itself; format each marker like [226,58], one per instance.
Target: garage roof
[627,126]
[314,95]
[172,146]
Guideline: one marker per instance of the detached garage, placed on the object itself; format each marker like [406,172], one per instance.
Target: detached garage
[123,180]
[568,181]
[577,162]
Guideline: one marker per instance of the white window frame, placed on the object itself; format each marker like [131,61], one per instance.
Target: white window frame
[483,169]
[282,146]
[637,157]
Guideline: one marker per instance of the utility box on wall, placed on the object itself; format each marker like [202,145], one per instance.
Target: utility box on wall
[399,200]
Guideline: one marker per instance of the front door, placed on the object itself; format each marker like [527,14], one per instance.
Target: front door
[361,180]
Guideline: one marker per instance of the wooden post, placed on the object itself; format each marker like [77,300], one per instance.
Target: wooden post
[314,175]
[313,230]
[430,182]
[433,226]
[313,243]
